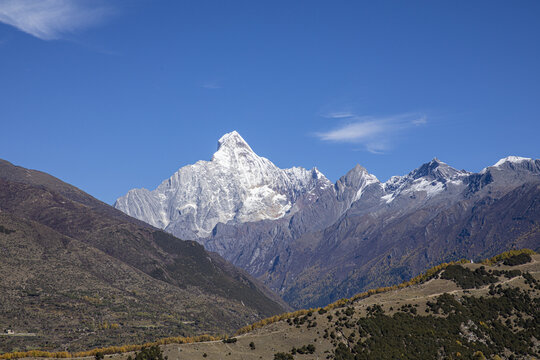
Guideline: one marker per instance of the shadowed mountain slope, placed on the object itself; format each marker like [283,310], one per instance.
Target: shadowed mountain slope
[77,254]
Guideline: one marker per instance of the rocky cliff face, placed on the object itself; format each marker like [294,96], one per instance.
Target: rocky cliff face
[314,242]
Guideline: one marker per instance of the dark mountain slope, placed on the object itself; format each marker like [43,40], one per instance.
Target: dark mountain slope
[71,295]
[36,178]
[224,295]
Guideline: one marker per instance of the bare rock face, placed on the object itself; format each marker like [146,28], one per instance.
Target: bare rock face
[236,186]
[314,242]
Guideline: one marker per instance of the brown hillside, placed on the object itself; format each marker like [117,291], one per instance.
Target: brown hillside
[73,265]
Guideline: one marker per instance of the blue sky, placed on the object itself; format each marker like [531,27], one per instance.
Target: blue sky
[112,95]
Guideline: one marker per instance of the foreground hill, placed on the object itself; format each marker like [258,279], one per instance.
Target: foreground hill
[469,311]
[77,273]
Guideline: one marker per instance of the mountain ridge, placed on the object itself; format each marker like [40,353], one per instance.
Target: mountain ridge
[232,148]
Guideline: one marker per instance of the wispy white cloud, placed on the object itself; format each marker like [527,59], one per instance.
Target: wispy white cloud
[376,134]
[211,85]
[52,19]
[354,132]
[420,121]
[339,115]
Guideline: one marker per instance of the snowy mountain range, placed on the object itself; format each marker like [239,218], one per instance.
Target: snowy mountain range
[292,228]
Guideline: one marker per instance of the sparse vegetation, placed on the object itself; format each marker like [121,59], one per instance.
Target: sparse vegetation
[283,356]
[107,350]
[507,255]
[519,259]
[306,349]
[405,335]
[149,353]
[429,274]
[73,305]
[467,279]
[5,230]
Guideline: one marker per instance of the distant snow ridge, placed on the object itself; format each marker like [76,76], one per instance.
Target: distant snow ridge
[236,186]
[431,178]
[512,159]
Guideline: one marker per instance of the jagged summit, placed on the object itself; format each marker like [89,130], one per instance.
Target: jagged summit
[357,171]
[236,186]
[436,170]
[233,150]
[353,184]
[232,139]
[357,176]
[430,178]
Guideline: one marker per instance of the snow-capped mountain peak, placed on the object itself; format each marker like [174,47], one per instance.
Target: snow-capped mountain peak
[233,150]
[232,144]
[236,186]
[436,170]
[514,163]
[233,139]
[511,159]
[430,178]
